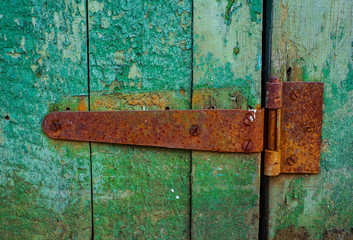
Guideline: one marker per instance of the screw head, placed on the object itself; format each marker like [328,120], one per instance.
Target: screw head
[292,160]
[294,95]
[248,120]
[55,126]
[194,130]
[310,127]
[247,145]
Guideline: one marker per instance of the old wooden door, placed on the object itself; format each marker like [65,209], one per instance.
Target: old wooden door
[73,55]
[313,41]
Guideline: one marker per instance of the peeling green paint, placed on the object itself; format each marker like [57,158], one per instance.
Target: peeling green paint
[255,10]
[126,37]
[44,184]
[140,60]
[231,9]
[317,206]
[221,183]
[229,6]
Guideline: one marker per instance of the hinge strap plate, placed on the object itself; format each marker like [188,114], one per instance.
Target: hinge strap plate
[296,110]
[223,130]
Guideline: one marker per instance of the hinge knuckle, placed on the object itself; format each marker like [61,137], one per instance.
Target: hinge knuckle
[272,166]
[274,95]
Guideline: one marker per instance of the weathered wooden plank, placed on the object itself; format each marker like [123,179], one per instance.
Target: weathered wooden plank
[44,184]
[140,59]
[312,41]
[227,63]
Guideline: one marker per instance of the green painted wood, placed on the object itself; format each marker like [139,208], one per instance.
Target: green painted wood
[140,59]
[313,41]
[44,184]
[227,58]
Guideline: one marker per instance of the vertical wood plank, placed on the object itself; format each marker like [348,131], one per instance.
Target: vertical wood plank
[227,74]
[313,41]
[140,60]
[44,184]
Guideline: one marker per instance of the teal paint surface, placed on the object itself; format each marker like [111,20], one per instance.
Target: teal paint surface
[225,57]
[225,187]
[140,59]
[312,41]
[140,46]
[44,184]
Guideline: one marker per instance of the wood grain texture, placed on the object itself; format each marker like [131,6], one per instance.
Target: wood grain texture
[227,58]
[140,59]
[44,184]
[313,41]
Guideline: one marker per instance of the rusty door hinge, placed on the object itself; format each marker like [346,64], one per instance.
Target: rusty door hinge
[293,133]
[294,127]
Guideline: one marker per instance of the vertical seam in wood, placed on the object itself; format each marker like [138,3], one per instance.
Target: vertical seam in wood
[191,96]
[265,77]
[89,109]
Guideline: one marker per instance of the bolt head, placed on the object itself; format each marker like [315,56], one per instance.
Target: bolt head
[247,145]
[294,95]
[194,130]
[292,160]
[248,120]
[310,127]
[55,126]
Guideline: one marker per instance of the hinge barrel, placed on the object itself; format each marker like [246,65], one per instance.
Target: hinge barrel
[273,152]
[294,116]
[272,166]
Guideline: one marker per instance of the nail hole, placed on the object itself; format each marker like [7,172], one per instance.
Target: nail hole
[166,108]
[7,118]
[67,109]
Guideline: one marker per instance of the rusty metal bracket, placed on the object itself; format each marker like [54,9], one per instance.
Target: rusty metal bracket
[208,130]
[294,127]
[294,112]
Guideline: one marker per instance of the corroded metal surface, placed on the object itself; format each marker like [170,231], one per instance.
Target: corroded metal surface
[301,127]
[274,94]
[272,162]
[210,130]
